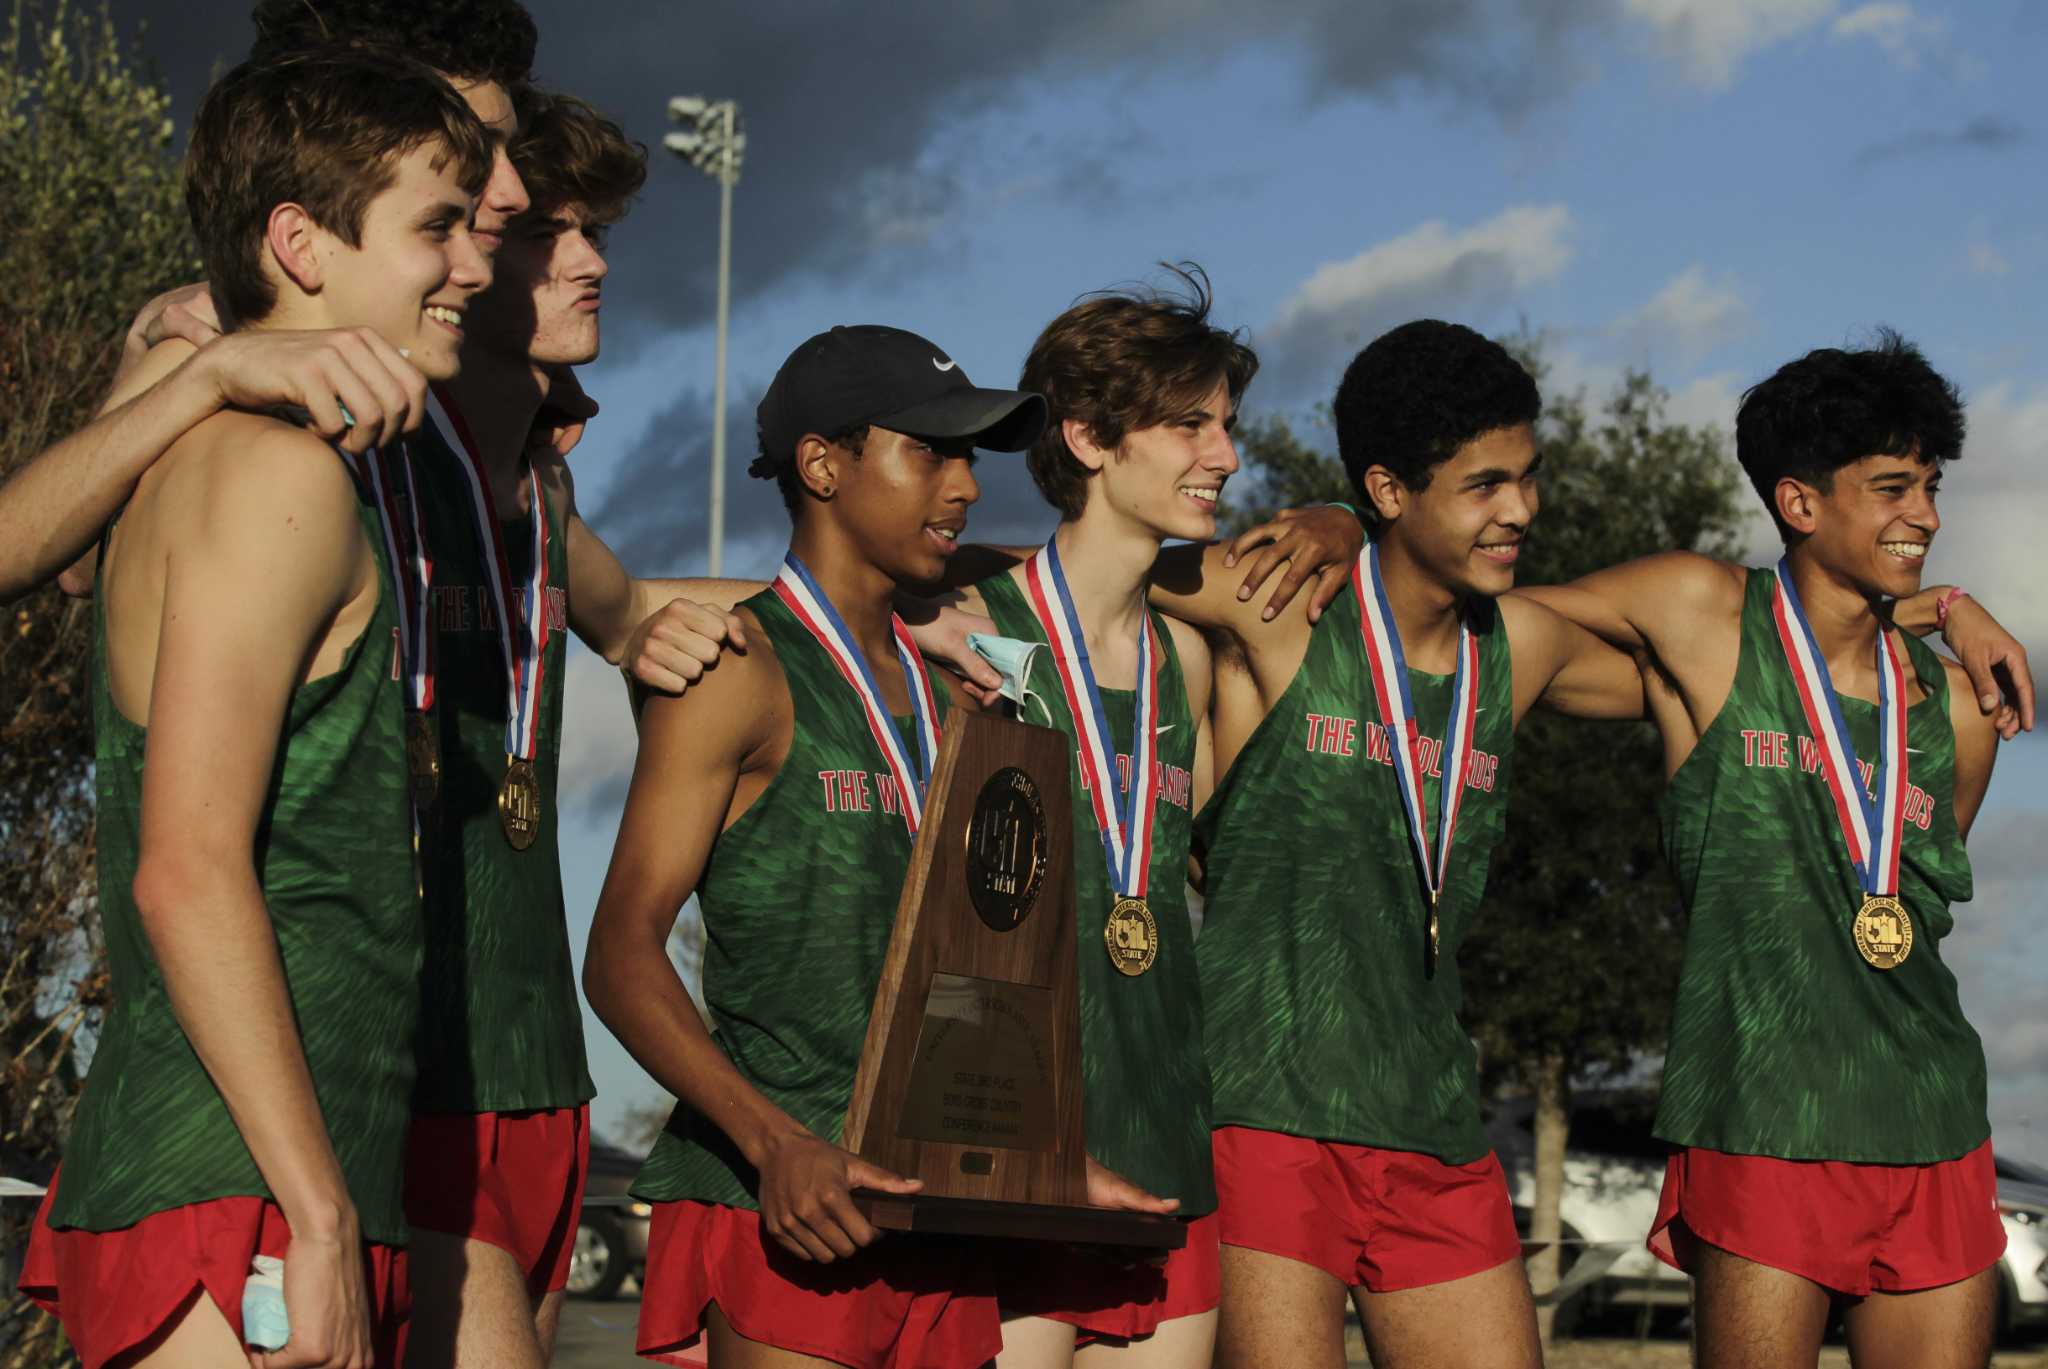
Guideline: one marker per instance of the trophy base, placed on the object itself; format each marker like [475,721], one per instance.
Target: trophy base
[934,1215]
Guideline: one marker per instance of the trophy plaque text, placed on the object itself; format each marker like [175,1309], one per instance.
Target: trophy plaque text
[970,1078]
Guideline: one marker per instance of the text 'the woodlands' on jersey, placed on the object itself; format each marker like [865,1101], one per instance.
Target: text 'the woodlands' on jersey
[502,1029]
[799,899]
[1145,1085]
[1784,1042]
[1322,1020]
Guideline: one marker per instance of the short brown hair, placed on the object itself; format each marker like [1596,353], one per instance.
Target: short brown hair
[320,129]
[1122,360]
[568,153]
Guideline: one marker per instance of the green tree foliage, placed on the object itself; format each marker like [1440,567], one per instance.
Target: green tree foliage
[95,224]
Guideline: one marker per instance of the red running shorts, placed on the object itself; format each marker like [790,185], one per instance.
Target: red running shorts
[914,1305]
[1851,1228]
[1107,1300]
[509,1179]
[1382,1219]
[117,1291]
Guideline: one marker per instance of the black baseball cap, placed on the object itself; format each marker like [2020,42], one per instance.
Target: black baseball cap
[865,373]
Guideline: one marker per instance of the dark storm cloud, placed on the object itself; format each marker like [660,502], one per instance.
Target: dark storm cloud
[850,107]
[1985,133]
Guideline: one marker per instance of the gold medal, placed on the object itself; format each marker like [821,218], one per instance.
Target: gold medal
[422,761]
[1132,935]
[519,804]
[1884,934]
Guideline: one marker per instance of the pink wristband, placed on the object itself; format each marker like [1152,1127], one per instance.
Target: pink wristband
[1941,606]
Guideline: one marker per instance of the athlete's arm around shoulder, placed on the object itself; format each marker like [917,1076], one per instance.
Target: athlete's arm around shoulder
[211,525]
[1977,738]
[1684,607]
[1563,668]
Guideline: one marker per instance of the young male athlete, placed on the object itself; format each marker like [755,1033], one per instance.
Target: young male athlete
[1143,392]
[1822,1083]
[252,1089]
[52,511]
[784,790]
[1342,870]
[497,1161]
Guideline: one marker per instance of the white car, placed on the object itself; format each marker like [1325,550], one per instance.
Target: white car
[2023,1273]
[1613,1173]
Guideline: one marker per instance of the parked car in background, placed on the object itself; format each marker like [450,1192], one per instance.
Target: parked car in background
[611,1235]
[2023,1273]
[1613,1172]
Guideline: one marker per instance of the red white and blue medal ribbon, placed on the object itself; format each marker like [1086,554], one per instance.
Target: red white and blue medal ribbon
[1389,668]
[799,591]
[412,566]
[1126,835]
[1871,827]
[522,609]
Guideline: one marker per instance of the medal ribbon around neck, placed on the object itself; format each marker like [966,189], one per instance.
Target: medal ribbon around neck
[799,591]
[412,566]
[1872,827]
[1126,836]
[1389,669]
[522,635]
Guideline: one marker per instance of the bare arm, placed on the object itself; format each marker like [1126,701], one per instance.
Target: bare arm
[226,663]
[1994,663]
[1977,738]
[695,752]
[54,509]
[1562,667]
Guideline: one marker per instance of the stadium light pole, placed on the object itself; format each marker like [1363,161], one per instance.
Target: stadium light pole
[711,140]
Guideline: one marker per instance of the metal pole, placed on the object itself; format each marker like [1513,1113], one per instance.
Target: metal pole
[725,179]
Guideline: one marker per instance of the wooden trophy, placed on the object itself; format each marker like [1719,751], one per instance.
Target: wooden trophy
[970,1078]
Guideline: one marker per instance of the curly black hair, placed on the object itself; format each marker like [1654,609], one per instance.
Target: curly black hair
[1833,407]
[470,40]
[1419,392]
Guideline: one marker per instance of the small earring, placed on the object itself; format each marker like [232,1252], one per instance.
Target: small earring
[826,493]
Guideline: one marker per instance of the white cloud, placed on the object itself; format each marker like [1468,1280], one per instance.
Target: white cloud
[1903,35]
[1991,504]
[1710,38]
[1689,317]
[1986,260]
[598,740]
[1433,268]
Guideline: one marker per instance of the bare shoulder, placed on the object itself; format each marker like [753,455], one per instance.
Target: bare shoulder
[260,474]
[739,707]
[1693,580]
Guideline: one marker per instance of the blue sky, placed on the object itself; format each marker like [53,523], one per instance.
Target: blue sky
[1703,187]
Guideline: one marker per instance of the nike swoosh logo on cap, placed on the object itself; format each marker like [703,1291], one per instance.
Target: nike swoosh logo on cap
[938,365]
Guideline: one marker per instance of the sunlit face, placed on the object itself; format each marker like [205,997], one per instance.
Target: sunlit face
[905,501]
[416,267]
[546,289]
[504,196]
[1168,478]
[1875,521]
[1467,526]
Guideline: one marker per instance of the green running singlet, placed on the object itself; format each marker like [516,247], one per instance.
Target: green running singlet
[334,856]
[1784,1042]
[799,899]
[1145,1085]
[502,1028]
[1321,1020]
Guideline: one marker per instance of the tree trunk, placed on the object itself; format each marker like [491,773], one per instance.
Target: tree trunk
[1552,1125]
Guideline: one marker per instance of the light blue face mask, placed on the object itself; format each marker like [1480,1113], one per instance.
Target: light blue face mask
[1012,660]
